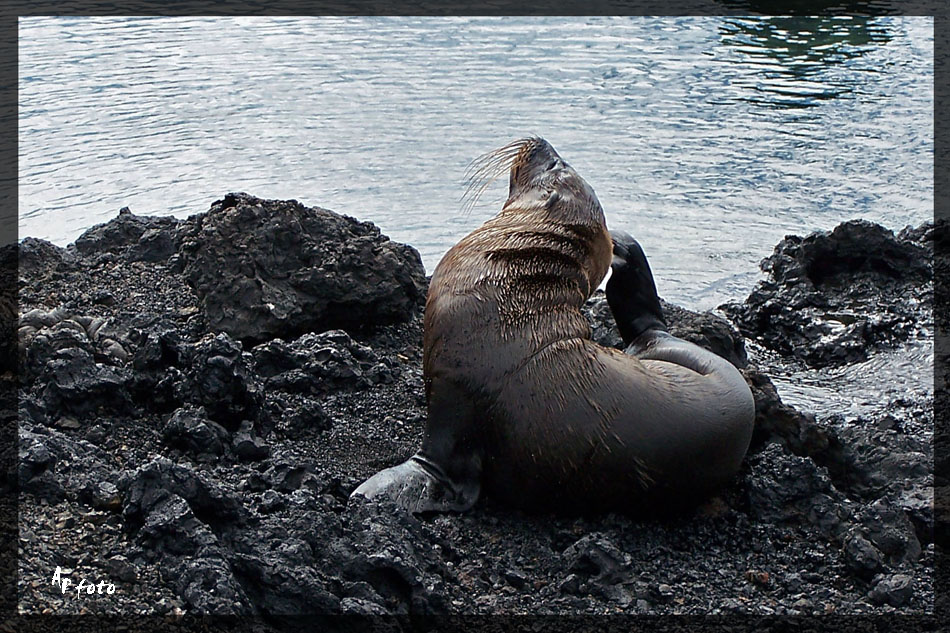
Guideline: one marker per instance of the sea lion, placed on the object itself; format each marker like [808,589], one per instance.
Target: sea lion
[523,405]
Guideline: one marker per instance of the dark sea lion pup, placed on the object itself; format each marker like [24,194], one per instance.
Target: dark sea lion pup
[523,405]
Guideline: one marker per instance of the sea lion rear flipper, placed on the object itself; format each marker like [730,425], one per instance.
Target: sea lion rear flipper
[631,291]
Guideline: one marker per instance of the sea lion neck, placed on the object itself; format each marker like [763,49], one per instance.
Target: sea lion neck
[560,197]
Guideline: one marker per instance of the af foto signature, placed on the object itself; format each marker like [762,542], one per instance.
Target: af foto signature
[84,587]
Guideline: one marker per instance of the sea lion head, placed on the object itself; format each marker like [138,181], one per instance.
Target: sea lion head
[536,165]
[537,178]
[550,237]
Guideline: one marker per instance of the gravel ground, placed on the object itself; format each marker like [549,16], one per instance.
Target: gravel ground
[205,472]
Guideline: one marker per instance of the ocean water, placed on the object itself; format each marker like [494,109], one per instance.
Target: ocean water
[709,139]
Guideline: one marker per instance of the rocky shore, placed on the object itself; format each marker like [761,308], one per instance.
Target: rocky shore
[198,397]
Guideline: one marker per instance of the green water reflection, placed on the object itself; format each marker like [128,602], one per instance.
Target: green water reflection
[796,56]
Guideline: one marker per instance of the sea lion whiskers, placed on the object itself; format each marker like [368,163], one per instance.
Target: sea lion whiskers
[482,172]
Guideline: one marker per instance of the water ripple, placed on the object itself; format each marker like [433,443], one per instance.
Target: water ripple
[709,138]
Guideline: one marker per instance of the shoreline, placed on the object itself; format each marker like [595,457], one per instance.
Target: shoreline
[199,396]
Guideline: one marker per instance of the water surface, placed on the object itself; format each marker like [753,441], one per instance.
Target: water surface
[707,138]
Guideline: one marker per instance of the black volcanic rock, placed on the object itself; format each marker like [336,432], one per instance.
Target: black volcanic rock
[189,428]
[39,258]
[153,483]
[894,589]
[76,384]
[247,445]
[595,558]
[202,472]
[218,377]
[833,294]
[799,432]
[133,237]
[861,556]
[264,269]
[55,466]
[385,547]
[316,363]
[857,247]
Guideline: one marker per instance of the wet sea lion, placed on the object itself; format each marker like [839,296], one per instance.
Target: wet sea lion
[523,405]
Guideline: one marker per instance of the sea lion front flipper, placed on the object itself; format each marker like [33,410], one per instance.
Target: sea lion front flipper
[445,475]
[631,291]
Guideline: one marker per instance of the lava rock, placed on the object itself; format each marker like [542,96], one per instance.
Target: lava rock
[861,556]
[783,487]
[853,247]
[516,578]
[9,352]
[189,429]
[799,432]
[208,586]
[218,377]
[296,415]
[598,568]
[170,526]
[887,526]
[895,590]
[248,446]
[55,466]
[157,348]
[264,269]
[875,463]
[155,244]
[595,557]
[285,477]
[105,496]
[38,259]
[133,237]
[163,378]
[153,482]
[34,456]
[283,581]
[918,504]
[314,364]
[118,567]
[357,606]
[76,384]
[271,501]
[387,550]
[832,295]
